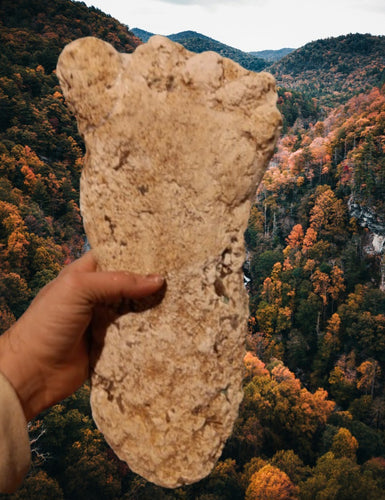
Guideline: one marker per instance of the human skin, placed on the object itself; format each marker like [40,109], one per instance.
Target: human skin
[45,354]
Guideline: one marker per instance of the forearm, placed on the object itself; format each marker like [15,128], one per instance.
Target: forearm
[15,456]
[15,365]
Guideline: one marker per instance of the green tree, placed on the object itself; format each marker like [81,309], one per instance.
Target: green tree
[344,444]
[38,486]
[290,463]
[223,482]
[338,478]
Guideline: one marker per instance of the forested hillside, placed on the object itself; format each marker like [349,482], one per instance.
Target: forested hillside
[334,69]
[312,423]
[40,150]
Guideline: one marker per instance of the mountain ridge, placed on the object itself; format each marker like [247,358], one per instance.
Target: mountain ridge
[196,42]
[272,55]
[331,70]
[334,68]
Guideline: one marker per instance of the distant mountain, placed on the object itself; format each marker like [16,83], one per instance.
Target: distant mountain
[197,42]
[334,69]
[271,55]
[142,34]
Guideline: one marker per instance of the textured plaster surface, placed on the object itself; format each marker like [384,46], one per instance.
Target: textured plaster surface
[176,145]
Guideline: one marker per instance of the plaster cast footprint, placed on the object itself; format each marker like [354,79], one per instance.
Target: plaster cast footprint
[176,145]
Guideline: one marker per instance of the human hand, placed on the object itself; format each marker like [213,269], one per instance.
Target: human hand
[45,354]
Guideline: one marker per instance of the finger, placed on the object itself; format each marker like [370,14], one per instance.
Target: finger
[111,287]
[86,263]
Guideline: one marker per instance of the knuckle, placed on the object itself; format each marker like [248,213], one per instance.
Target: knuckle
[71,280]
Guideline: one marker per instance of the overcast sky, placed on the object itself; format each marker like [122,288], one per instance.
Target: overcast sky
[251,24]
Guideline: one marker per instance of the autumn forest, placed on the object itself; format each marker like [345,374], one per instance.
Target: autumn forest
[312,422]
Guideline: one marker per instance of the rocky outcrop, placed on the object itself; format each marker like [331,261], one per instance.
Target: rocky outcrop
[367,218]
[176,146]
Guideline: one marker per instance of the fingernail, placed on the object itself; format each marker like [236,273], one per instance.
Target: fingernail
[157,279]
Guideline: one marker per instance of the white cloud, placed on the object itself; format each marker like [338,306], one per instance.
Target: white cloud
[252,24]
[208,3]
[377,6]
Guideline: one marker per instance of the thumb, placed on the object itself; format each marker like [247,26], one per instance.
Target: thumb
[106,287]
